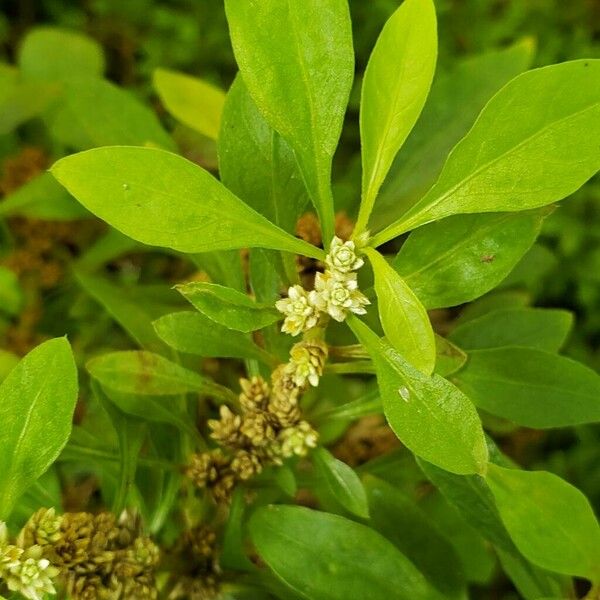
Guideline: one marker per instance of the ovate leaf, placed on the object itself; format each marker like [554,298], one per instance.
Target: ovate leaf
[37,400]
[161,199]
[394,90]
[404,319]
[11,295]
[326,557]
[430,416]
[297,61]
[531,387]
[191,101]
[552,523]
[533,144]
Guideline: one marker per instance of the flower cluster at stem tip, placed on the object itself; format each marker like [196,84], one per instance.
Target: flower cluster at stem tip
[336,292]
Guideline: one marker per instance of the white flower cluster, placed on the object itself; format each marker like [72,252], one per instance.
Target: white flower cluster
[336,292]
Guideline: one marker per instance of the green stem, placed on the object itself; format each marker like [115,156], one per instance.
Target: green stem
[352,351]
[347,368]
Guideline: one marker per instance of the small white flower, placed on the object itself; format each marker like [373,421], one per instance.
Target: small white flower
[297,440]
[337,295]
[299,310]
[28,573]
[342,257]
[307,361]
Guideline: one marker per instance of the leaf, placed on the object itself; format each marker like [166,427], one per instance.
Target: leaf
[161,199]
[194,333]
[533,144]
[342,481]
[404,320]
[430,416]
[461,258]
[11,295]
[257,164]
[552,524]
[541,328]
[8,361]
[398,518]
[394,89]
[297,61]
[449,358]
[24,101]
[531,387]
[326,557]
[145,373]
[37,401]
[193,102]
[456,98]
[50,53]
[228,307]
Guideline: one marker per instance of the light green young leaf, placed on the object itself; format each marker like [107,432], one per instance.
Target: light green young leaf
[342,481]
[394,90]
[228,307]
[37,401]
[456,98]
[195,333]
[162,199]
[50,53]
[404,319]
[193,102]
[257,164]
[531,387]
[533,144]
[430,416]
[11,295]
[321,556]
[297,61]
[541,328]
[552,524]
[461,258]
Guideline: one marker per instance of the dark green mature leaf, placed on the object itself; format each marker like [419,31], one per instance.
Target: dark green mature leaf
[228,307]
[552,523]
[194,333]
[37,401]
[297,61]
[531,387]
[342,481]
[448,357]
[398,518]
[395,86]
[403,318]
[461,258]
[326,557]
[162,199]
[541,328]
[456,98]
[191,101]
[257,164]
[533,144]
[434,419]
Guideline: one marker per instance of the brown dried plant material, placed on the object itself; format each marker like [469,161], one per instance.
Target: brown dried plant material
[21,168]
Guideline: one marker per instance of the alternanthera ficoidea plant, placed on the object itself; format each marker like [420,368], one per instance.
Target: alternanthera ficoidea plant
[224,486]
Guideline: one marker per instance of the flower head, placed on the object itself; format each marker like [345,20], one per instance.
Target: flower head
[339,295]
[299,310]
[26,572]
[297,440]
[307,362]
[342,257]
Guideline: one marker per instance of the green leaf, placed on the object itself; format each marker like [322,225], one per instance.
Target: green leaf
[145,373]
[398,518]
[37,401]
[342,481]
[50,53]
[326,557]
[461,258]
[161,199]
[257,164]
[23,101]
[531,387]
[8,361]
[430,416]
[395,86]
[191,101]
[541,328]
[533,144]
[297,61]
[456,98]
[552,524]
[448,357]
[228,307]
[404,319]
[194,333]
[11,295]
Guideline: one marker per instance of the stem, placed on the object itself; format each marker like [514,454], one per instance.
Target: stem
[352,351]
[360,366]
